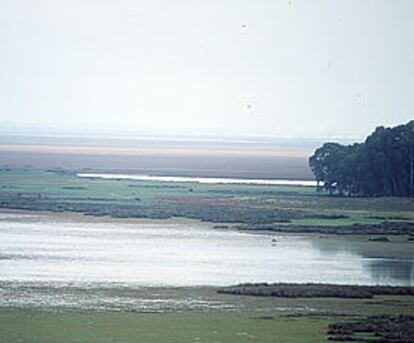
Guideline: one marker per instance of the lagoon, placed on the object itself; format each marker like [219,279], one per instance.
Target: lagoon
[60,249]
[206,180]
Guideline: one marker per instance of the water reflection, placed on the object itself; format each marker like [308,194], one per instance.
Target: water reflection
[56,250]
[386,263]
[387,271]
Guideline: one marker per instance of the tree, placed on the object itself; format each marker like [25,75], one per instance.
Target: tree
[381,166]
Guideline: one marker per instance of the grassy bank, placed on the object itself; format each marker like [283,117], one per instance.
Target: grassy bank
[279,208]
[35,326]
[245,319]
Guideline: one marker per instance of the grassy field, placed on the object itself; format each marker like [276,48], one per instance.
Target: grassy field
[249,204]
[44,327]
[251,320]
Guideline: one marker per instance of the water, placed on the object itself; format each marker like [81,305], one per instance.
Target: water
[208,180]
[55,249]
[47,259]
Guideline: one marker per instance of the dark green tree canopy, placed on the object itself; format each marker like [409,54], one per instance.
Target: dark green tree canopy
[381,166]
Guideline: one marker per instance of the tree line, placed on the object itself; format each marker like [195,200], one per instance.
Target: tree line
[383,165]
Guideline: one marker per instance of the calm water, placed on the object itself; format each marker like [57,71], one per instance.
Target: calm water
[46,249]
[208,180]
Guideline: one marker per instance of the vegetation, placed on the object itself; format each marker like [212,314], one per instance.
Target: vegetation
[238,319]
[291,314]
[384,228]
[194,314]
[381,166]
[254,207]
[188,327]
[385,328]
[312,290]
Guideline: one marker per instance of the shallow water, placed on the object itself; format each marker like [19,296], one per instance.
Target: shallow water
[207,180]
[46,249]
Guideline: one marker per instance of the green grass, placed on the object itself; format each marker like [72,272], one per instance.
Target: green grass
[259,204]
[249,319]
[231,327]
[334,222]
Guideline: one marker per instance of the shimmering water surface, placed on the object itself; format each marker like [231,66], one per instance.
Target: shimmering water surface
[52,249]
[207,180]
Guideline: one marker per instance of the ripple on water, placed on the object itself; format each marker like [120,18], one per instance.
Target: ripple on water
[69,254]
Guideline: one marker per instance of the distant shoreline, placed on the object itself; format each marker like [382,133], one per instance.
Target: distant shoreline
[262,159]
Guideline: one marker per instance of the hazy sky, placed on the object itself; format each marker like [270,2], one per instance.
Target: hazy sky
[207,67]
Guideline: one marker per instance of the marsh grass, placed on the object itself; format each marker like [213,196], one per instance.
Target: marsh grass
[251,204]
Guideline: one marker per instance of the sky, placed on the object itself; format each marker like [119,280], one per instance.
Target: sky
[320,68]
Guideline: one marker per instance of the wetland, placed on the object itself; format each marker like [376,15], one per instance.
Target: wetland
[92,259]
